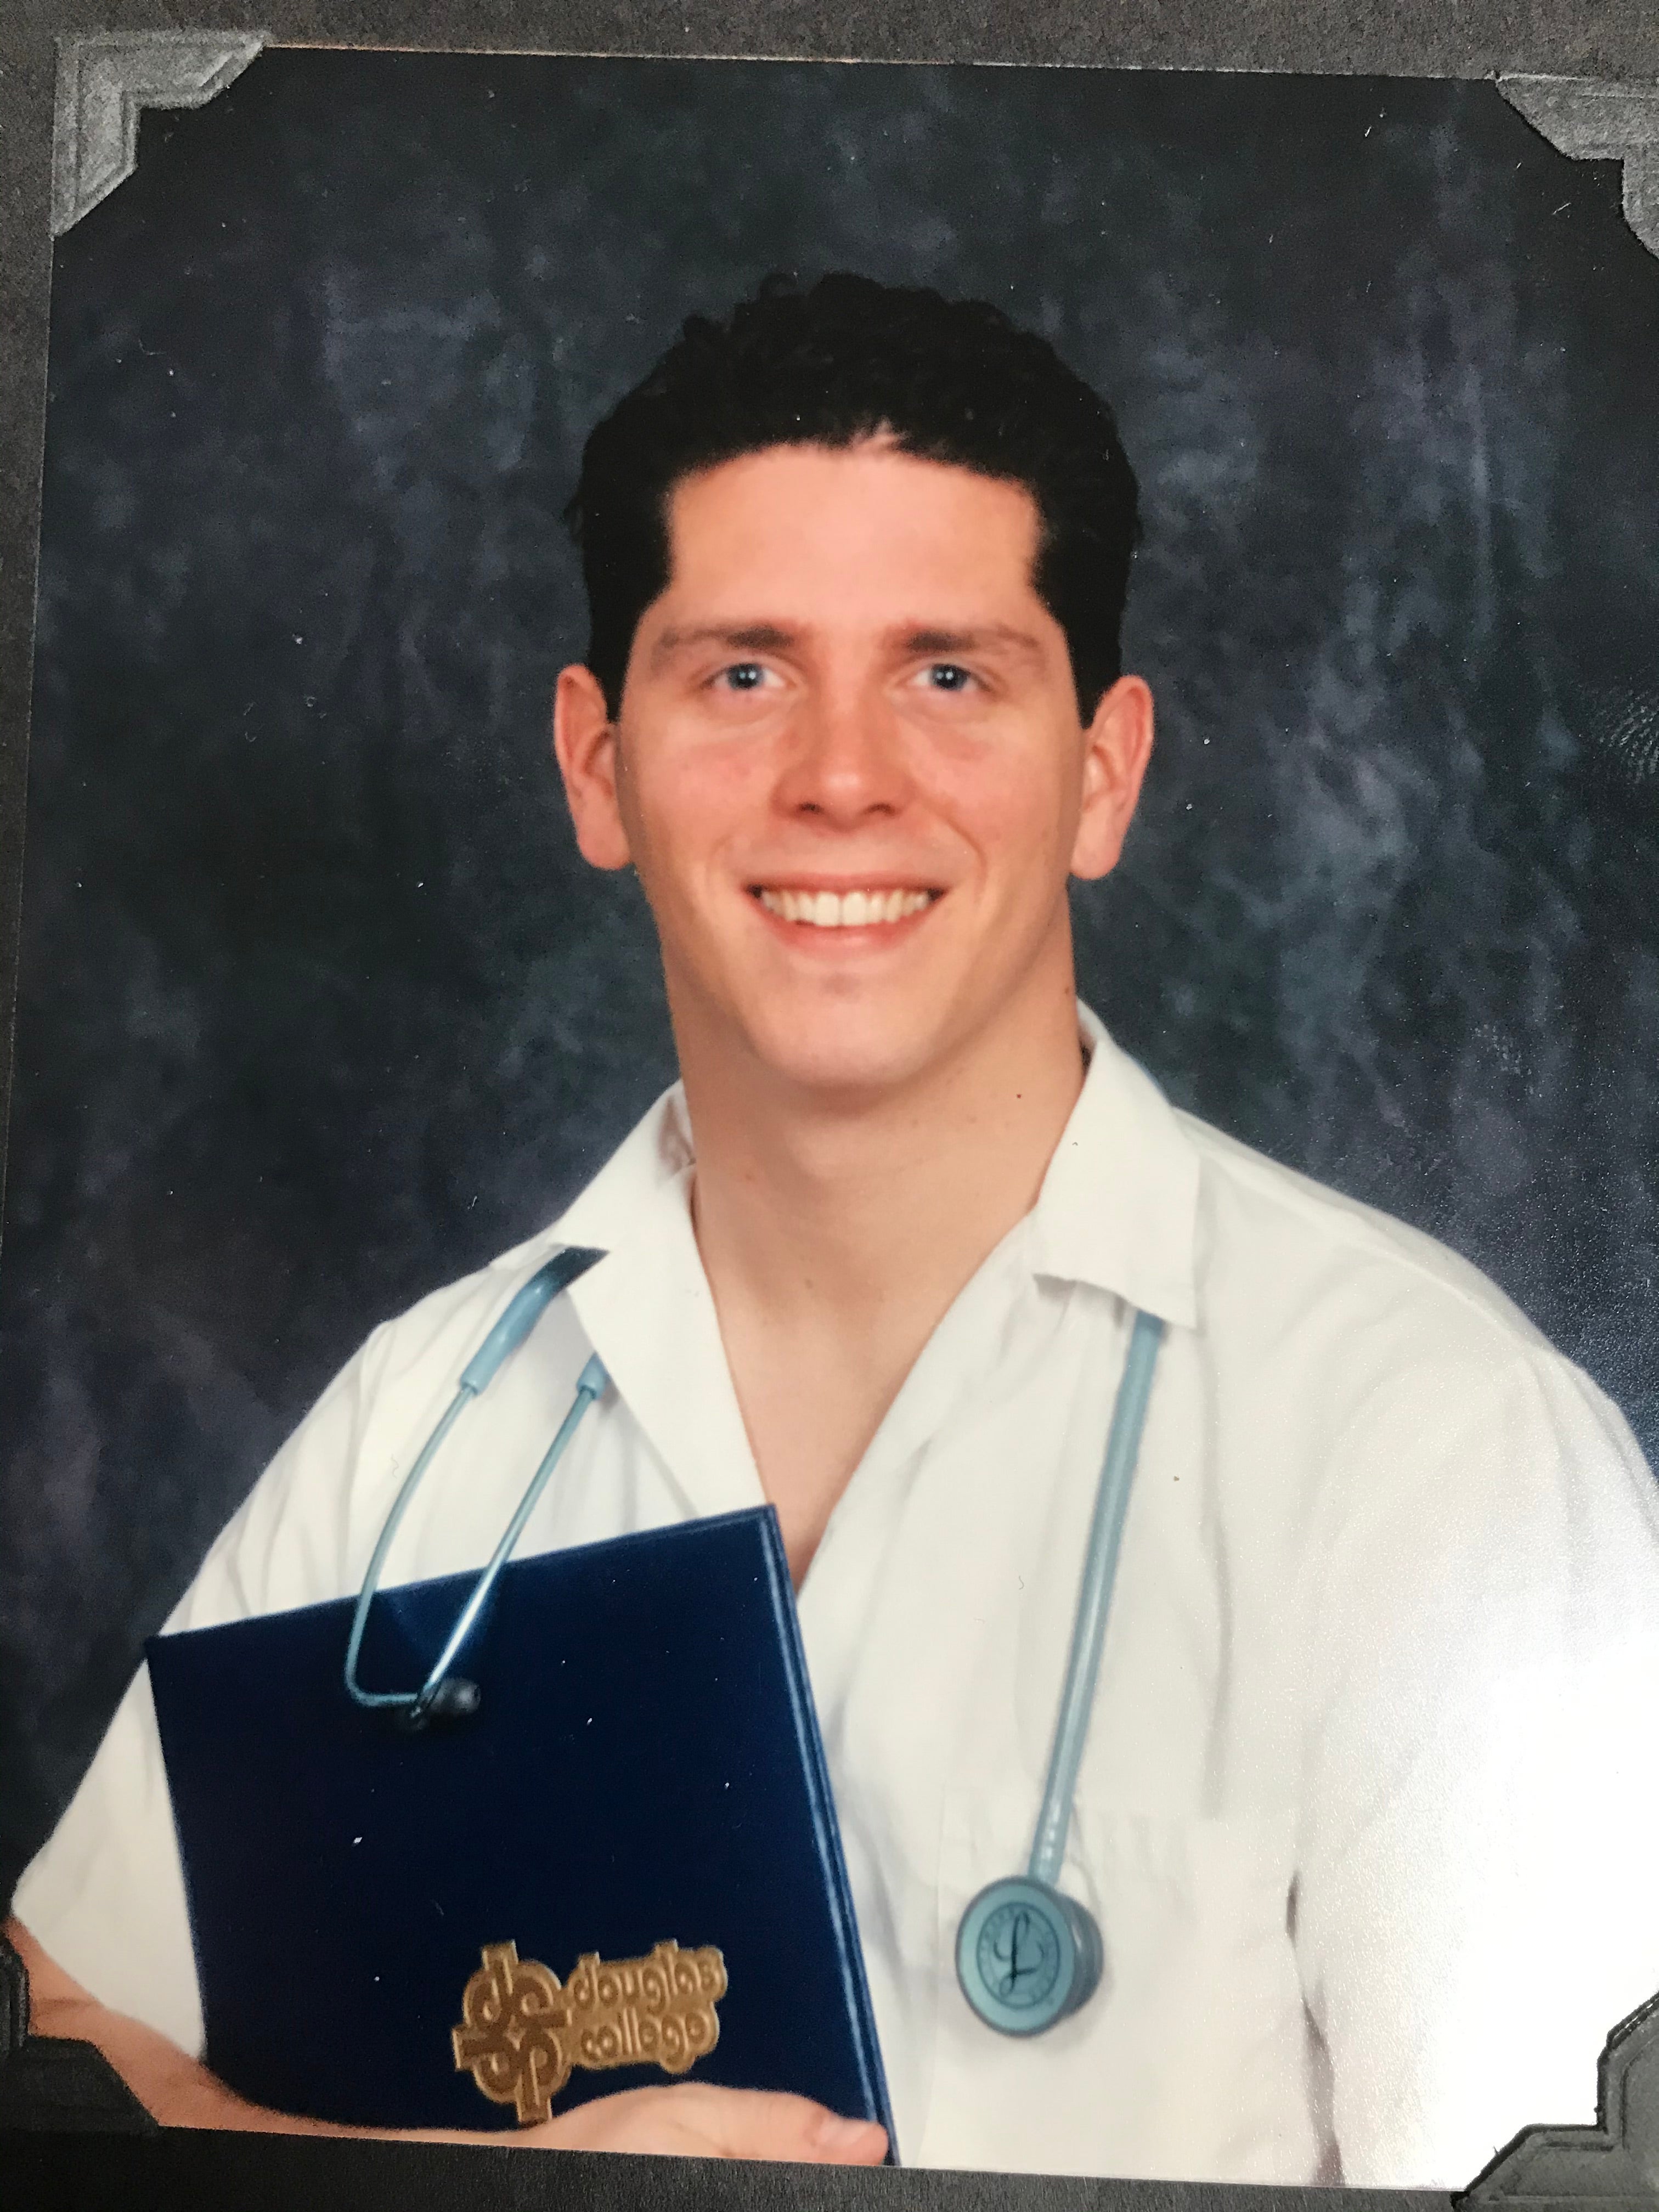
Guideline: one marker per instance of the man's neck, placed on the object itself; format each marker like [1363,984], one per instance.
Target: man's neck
[834,1240]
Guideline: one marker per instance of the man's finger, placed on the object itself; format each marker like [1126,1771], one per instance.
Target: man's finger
[695,2119]
[766,2123]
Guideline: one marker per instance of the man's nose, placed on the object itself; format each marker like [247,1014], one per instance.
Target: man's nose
[845,759]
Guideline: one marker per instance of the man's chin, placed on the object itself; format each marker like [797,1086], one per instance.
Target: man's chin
[847,1069]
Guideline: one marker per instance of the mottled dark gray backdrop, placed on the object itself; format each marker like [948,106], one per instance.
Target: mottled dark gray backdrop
[319,1007]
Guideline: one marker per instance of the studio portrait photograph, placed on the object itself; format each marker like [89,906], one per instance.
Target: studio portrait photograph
[827,1314]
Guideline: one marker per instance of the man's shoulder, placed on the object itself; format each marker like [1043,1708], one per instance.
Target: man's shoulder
[1334,1319]
[1270,1218]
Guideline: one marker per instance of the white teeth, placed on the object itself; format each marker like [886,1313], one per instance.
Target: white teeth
[844,909]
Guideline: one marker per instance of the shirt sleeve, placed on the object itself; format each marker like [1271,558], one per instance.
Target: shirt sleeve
[1474,1910]
[105,1896]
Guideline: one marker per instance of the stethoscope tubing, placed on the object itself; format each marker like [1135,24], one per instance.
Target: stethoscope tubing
[523,1310]
[1094,1598]
[591,1385]
[429,1452]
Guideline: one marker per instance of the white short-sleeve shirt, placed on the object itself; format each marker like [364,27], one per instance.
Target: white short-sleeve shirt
[1378,1692]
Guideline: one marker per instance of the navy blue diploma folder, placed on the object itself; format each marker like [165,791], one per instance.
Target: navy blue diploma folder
[643,1787]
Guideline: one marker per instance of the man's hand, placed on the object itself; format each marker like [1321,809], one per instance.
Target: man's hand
[691,2119]
[694,2119]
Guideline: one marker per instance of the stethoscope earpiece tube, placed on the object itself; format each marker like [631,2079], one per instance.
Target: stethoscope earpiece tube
[590,1385]
[1027,1956]
[444,1697]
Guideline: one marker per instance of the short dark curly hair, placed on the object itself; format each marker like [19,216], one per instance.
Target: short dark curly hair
[849,359]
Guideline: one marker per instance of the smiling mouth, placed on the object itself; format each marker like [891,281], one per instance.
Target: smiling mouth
[855,909]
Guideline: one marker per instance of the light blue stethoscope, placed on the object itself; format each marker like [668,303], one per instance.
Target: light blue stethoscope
[1027,1956]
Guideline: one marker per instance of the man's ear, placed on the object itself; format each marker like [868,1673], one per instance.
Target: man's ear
[1118,745]
[585,747]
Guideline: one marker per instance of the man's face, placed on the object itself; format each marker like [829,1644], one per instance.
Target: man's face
[848,765]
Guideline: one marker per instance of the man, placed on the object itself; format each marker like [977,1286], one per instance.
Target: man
[1372,1690]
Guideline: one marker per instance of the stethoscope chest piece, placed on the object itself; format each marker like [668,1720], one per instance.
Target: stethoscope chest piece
[1027,1956]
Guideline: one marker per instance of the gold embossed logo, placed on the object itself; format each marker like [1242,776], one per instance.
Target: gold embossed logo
[522,2030]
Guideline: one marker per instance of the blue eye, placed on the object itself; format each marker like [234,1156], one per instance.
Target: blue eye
[743,676]
[947,676]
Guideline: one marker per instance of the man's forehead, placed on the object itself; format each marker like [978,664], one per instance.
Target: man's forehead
[796,472]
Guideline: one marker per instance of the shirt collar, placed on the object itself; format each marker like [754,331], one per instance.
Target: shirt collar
[649,1169]
[1118,1207]
[649,1313]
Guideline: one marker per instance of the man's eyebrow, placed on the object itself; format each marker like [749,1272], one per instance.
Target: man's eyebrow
[742,637]
[974,639]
